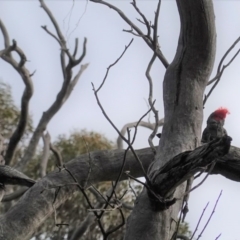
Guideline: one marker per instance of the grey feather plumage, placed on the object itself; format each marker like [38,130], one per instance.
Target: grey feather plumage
[214,128]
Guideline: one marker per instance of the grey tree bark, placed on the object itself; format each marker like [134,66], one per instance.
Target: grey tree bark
[36,204]
[184,84]
[183,87]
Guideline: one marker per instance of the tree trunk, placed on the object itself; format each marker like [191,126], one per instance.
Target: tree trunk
[36,205]
[183,87]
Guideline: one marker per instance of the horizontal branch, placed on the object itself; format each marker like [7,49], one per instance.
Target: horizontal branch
[183,166]
[36,204]
[145,124]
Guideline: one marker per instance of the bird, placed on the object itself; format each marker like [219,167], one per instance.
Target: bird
[11,176]
[215,123]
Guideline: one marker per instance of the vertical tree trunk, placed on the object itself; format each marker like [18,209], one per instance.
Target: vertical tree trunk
[183,87]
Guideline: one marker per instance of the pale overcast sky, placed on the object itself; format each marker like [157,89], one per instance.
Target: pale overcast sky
[126,89]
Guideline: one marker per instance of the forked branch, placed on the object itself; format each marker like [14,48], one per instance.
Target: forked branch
[68,83]
[24,73]
[221,69]
[150,101]
[148,125]
[151,41]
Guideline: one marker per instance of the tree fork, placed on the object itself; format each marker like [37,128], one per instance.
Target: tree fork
[183,87]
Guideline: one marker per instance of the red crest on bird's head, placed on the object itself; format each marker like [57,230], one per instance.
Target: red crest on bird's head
[220,113]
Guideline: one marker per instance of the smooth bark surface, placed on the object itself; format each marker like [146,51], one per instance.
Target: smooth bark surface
[35,206]
[183,88]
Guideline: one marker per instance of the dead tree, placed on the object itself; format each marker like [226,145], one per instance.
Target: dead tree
[166,167]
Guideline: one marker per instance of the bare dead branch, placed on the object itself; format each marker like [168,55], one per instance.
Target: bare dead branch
[67,86]
[184,208]
[75,79]
[136,126]
[51,34]
[227,52]
[105,167]
[213,211]
[5,35]
[86,224]
[221,69]
[150,101]
[84,51]
[113,125]
[179,169]
[132,32]
[195,230]
[218,236]
[135,179]
[75,48]
[145,21]
[133,124]
[89,162]
[155,27]
[204,179]
[116,227]
[57,155]
[14,195]
[148,40]
[130,186]
[79,187]
[111,65]
[130,143]
[27,94]
[6,51]
[46,152]
[186,198]
[53,20]
[11,176]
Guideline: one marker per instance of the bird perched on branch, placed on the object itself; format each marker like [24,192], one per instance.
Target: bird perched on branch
[215,123]
[11,176]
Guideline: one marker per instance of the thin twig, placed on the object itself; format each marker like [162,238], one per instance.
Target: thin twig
[154,132]
[57,155]
[148,40]
[199,184]
[146,22]
[89,162]
[130,186]
[69,82]
[97,193]
[111,65]
[221,69]
[199,221]
[222,59]
[129,142]
[133,124]
[213,211]
[113,125]
[218,236]
[155,29]
[46,152]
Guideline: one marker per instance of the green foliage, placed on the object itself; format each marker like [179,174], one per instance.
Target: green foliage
[80,142]
[184,229]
